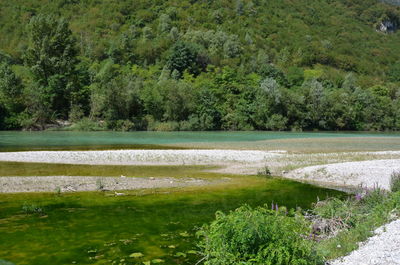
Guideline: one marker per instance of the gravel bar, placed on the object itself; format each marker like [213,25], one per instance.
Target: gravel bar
[381,249]
[141,157]
[367,173]
[82,183]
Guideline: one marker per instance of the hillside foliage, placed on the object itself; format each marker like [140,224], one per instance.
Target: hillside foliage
[200,65]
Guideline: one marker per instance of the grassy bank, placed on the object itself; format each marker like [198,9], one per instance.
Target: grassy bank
[358,220]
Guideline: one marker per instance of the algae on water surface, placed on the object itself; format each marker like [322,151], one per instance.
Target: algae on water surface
[99,228]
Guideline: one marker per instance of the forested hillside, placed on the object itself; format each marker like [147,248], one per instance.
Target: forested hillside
[200,65]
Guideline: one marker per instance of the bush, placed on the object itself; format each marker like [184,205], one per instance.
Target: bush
[370,209]
[121,125]
[99,185]
[258,236]
[350,212]
[86,124]
[395,182]
[32,209]
[265,172]
[167,126]
[337,214]
[372,198]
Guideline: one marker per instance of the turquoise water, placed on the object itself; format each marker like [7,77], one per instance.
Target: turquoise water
[42,140]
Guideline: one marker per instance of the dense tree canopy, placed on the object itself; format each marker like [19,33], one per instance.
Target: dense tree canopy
[51,58]
[200,65]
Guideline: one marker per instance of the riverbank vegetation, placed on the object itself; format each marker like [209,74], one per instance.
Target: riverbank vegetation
[275,235]
[167,65]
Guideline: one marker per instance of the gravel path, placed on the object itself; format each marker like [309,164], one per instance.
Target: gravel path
[367,173]
[70,184]
[381,249]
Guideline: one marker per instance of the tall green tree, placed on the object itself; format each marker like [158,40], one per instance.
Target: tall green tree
[52,59]
[185,56]
[10,97]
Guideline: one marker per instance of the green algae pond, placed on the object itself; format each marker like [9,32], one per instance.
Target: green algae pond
[156,226]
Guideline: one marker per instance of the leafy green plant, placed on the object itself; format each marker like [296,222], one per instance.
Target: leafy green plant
[258,236]
[395,182]
[32,209]
[334,208]
[86,124]
[99,184]
[58,191]
[265,172]
[370,212]
[331,229]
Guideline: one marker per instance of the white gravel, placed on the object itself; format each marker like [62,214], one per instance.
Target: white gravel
[142,157]
[83,183]
[367,173]
[381,249]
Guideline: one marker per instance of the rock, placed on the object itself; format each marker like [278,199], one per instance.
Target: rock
[387,26]
[69,188]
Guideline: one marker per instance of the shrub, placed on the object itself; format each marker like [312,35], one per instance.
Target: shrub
[348,213]
[265,172]
[32,209]
[277,122]
[76,113]
[258,236]
[167,126]
[86,124]
[99,185]
[121,125]
[372,198]
[395,182]
[371,210]
[58,191]
[333,215]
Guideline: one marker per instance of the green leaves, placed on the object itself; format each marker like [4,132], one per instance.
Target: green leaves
[257,236]
[290,44]
[186,56]
[52,59]
[10,97]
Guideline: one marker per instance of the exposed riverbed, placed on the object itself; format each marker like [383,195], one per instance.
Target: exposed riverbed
[146,205]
